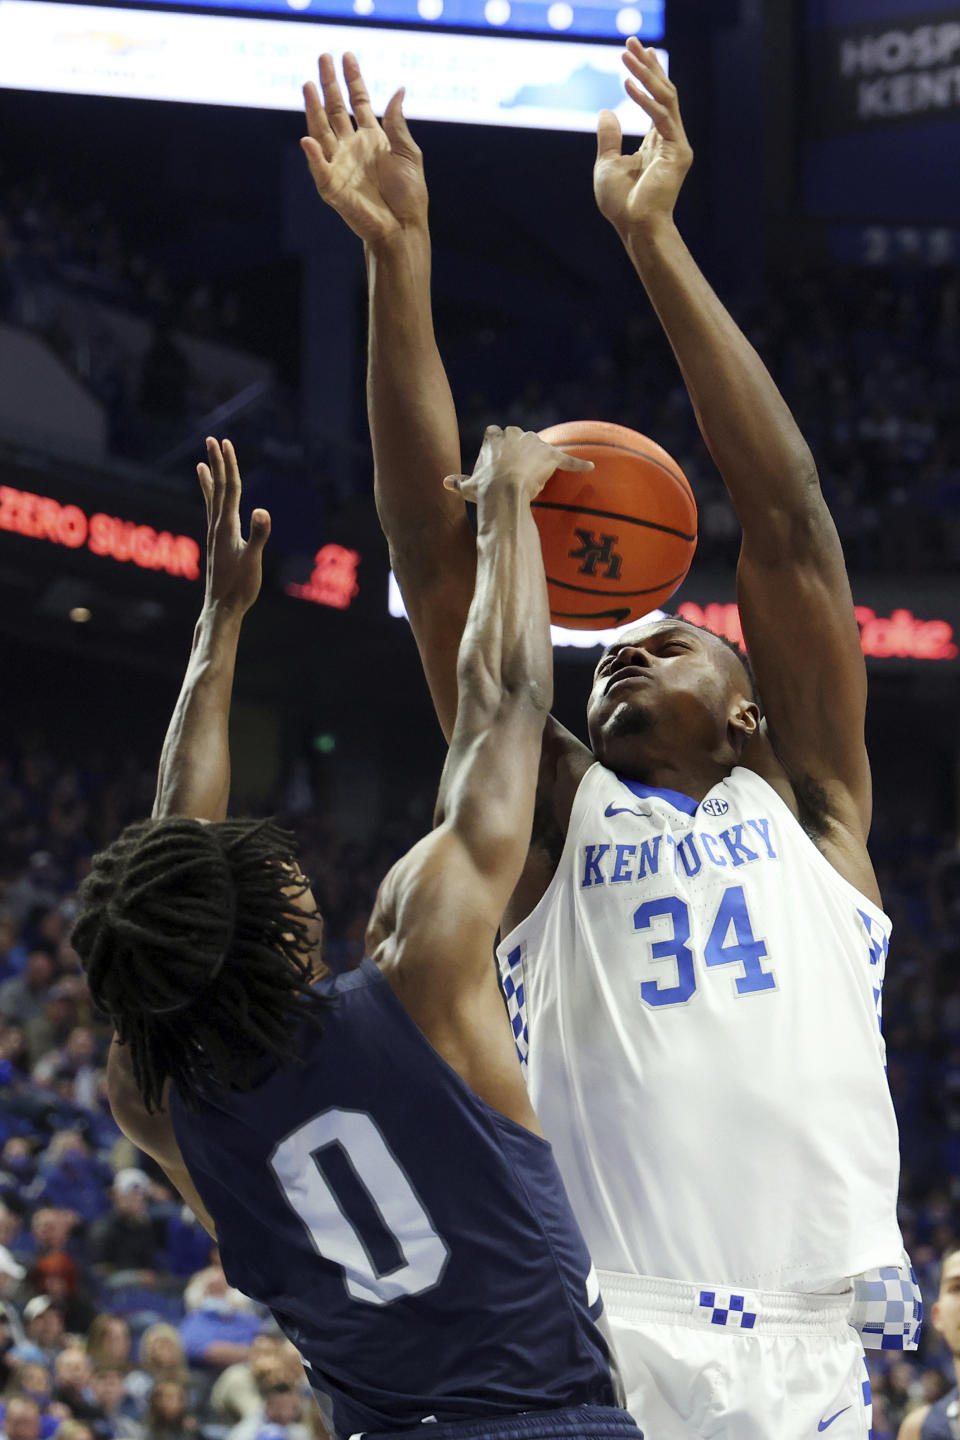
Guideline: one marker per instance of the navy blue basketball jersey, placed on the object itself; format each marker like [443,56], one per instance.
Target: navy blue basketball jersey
[943,1421]
[416,1246]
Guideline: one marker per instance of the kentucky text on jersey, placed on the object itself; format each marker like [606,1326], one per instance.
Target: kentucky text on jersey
[616,864]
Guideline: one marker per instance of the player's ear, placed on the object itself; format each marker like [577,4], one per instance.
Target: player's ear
[745,717]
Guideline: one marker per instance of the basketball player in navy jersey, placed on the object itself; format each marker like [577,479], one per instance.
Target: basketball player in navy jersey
[693,958]
[362,1148]
[942,1420]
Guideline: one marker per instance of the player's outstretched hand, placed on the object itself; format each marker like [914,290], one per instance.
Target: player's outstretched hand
[640,190]
[371,174]
[234,565]
[514,458]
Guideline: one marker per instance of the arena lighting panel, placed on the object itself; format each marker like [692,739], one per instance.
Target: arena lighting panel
[262,63]
[599,19]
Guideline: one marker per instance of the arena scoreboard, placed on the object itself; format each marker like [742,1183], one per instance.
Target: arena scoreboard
[549,64]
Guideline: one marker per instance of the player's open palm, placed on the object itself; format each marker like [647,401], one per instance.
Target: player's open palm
[637,190]
[371,174]
[234,565]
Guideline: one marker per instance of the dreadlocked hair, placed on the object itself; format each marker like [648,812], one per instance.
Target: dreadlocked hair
[194,946]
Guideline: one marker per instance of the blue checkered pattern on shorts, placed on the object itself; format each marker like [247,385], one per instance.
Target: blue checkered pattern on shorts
[511,983]
[727,1308]
[887,1308]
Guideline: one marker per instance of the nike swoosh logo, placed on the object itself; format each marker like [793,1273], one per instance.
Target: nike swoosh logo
[825,1424]
[612,810]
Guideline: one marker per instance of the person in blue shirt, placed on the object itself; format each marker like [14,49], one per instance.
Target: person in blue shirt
[361,1146]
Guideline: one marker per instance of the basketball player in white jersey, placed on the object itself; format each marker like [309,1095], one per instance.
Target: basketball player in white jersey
[694,956]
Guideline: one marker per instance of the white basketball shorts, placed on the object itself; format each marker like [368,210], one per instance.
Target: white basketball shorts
[704,1362]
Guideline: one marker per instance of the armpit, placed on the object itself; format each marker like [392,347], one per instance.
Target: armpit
[546,834]
[813,806]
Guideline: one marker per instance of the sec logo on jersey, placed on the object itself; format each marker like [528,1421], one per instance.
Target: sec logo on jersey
[715,807]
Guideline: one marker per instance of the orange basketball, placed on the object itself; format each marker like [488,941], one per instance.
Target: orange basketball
[618,539]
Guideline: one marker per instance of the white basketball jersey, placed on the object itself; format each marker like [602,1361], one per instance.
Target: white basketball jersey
[697,1001]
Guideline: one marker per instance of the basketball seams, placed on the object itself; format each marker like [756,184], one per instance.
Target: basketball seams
[616,594]
[680,479]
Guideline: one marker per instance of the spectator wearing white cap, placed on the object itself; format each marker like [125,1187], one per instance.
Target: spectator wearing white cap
[43,1326]
[128,1239]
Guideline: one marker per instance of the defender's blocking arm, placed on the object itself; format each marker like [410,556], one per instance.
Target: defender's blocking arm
[440,908]
[372,175]
[194,774]
[795,600]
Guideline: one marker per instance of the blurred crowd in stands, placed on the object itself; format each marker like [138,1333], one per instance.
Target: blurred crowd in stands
[869,360]
[116,1322]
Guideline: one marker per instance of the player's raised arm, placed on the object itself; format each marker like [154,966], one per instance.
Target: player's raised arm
[504,665]
[794,595]
[439,910]
[372,175]
[194,777]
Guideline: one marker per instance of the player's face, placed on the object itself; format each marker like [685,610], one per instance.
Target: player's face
[946,1311]
[662,673]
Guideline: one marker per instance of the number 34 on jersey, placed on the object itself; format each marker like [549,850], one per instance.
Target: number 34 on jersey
[731,941]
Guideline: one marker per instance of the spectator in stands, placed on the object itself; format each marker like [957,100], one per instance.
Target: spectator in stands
[74,1430]
[13,953]
[50,1030]
[188,1244]
[239,1390]
[280,1418]
[23,998]
[22,1420]
[219,1328]
[11,1275]
[13,1048]
[50,1231]
[35,1381]
[127,1239]
[58,1276]
[108,1394]
[167,1415]
[17,1165]
[73,1384]
[71,1176]
[10,1226]
[162,1359]
[108,1342]
[43,1326]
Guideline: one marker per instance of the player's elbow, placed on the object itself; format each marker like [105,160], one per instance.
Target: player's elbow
[795,532]
[500,692]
